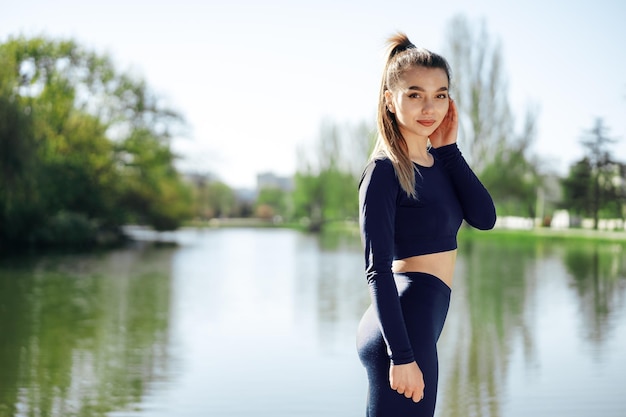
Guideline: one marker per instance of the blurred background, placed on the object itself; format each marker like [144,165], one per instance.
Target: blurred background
[145,112]
[178,205]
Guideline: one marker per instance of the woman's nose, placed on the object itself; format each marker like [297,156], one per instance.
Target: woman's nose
[428,107]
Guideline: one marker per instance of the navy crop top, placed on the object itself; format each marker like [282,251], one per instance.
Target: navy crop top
[397,226]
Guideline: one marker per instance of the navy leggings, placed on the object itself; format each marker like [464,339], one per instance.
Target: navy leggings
[425,300]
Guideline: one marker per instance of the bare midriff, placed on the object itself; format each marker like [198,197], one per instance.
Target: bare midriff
[439,264]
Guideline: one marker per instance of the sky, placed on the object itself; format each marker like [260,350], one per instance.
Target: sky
[255,79]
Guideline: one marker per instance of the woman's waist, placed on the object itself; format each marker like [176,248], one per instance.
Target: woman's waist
[440,265]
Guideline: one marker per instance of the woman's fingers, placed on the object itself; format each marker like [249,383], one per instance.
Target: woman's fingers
[416,395]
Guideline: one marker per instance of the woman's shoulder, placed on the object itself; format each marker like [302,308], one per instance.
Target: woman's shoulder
[381,163]
[379,170]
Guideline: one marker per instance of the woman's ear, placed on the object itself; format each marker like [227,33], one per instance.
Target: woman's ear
[389,101]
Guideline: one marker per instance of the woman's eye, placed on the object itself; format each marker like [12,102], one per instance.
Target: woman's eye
[414,95]
[443,96]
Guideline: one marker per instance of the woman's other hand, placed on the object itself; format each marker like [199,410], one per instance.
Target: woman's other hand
[447,131]
[407,380]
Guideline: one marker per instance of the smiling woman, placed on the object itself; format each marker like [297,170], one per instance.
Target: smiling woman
[413,198]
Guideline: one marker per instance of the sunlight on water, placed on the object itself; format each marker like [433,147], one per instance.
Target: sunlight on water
[243,322]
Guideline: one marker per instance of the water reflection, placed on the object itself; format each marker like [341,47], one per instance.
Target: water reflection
[515,342]
[262,322]
[597,275]
[82,335]
[487,308]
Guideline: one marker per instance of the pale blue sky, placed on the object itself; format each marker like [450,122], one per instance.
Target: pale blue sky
[255,78]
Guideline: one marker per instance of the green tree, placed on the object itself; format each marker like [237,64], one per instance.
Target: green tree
[326,183]
[273,201]
[615,205]
[84,147]
[577,188]
[595,184]
[596,142]
[221,200]
[511,177]
[152,191]
[18,161]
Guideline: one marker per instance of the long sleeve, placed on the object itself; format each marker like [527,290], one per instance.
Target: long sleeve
[378,192]
[478,208]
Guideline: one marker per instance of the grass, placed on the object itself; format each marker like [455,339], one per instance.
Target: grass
[544,233]
[351,228]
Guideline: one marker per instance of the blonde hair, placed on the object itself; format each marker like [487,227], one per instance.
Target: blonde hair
[402,55]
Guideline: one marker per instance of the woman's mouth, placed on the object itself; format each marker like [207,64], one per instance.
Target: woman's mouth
[426,123]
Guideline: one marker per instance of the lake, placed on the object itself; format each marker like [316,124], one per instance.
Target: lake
[262,322]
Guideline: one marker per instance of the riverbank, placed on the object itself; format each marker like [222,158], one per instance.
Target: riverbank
[545,233]
[345,229]
[538,233]
[351,228]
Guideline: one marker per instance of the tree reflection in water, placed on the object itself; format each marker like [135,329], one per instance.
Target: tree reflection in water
[75,344]
[597,275]
[494,306]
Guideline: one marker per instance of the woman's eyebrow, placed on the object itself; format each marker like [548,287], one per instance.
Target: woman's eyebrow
[418,88]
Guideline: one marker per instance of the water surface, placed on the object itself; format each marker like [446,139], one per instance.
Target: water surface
[256,322]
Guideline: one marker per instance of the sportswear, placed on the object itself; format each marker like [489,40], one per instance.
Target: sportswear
[394,225]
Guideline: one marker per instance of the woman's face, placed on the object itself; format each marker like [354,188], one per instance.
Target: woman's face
[419,101]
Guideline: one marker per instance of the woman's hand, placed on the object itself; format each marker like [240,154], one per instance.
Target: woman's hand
[447,131]
[407,380]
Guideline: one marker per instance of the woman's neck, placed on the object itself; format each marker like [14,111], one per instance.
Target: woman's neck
[418,150]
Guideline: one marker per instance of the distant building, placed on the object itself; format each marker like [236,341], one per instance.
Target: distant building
[271,180]
[200,179]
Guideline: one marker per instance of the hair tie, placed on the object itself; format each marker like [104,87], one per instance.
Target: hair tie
[402,48]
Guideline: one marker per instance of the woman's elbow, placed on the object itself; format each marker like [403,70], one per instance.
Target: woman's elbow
[485,220]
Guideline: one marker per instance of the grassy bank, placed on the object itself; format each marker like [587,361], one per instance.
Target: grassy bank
[544,233]
[540,233]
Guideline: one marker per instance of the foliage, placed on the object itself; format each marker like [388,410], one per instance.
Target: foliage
[271,202]
[596,185]
[615,191]
[220,200]
[512,178]
[327,179]
[82,146]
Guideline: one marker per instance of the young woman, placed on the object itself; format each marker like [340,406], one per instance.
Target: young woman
[414,194]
